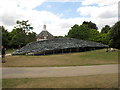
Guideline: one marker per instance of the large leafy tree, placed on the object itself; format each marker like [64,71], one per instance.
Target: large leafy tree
[94,35]
[91,25]
[105,29]
[104,38]
[18,37]
[115,35]
[79,32]
[24,25]
[4,37]
[86,31]
[31,36]
[21,34]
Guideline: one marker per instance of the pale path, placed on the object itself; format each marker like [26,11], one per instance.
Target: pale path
[7,55]
[36,72]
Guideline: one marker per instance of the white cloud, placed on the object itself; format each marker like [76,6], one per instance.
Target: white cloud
[12,10]
[23,10]
[105,13]
[119,11]
[99,12]
[24,4]
[100,2]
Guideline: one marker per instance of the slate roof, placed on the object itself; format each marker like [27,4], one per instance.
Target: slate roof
[55,44]
[45,34]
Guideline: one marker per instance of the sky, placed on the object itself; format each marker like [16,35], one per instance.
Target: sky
[58,15]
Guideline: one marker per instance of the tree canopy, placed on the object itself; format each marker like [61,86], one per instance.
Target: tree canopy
[105,29]
[5,36]
[115,35]
[19,36]
[91,25]
[79,32]
[22,34]
[86,31]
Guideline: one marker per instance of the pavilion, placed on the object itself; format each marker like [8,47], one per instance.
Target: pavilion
[58,45]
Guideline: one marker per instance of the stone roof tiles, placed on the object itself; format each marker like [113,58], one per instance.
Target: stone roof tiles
[55,44]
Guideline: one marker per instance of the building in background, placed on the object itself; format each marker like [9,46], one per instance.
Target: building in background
[44,35]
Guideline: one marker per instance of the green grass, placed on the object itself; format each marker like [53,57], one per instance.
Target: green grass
[91,81]
[96,57]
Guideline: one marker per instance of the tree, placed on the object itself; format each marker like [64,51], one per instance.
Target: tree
[86,31]
[73,31]
[114,35]
[104,38]
[24,25]
[90,25]
[105,29]
[21,34]
[31,37]
[79,32]
[94,35]
[18,38]
[5,37]
[105,35]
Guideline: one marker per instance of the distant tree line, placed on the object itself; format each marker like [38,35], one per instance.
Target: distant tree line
[89,31]
[19,36]
[22,34]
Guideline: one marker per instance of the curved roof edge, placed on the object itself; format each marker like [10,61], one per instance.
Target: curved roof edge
[56,44]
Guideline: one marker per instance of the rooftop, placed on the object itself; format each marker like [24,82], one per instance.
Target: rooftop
[57,44]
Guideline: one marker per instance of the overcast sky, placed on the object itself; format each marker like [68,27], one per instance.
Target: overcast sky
[58,15]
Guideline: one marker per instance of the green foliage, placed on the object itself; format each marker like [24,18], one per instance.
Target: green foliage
[94,35]
[86,31]
[114,35]
[90,25]
[105,29]
[20,35]
[79,32]
[5,37]
[24,25]
[31,37]
[104,38]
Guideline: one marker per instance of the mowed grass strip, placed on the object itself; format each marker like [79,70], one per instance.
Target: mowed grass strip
[96,57]
[91,81]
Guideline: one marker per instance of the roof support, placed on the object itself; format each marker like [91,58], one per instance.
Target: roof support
[70,50]
[44,53]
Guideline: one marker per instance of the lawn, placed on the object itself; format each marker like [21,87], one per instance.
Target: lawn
[96,57]
[91,81]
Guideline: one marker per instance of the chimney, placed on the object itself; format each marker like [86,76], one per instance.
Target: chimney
[44,27]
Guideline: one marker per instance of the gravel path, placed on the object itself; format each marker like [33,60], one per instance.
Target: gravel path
[36,72]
